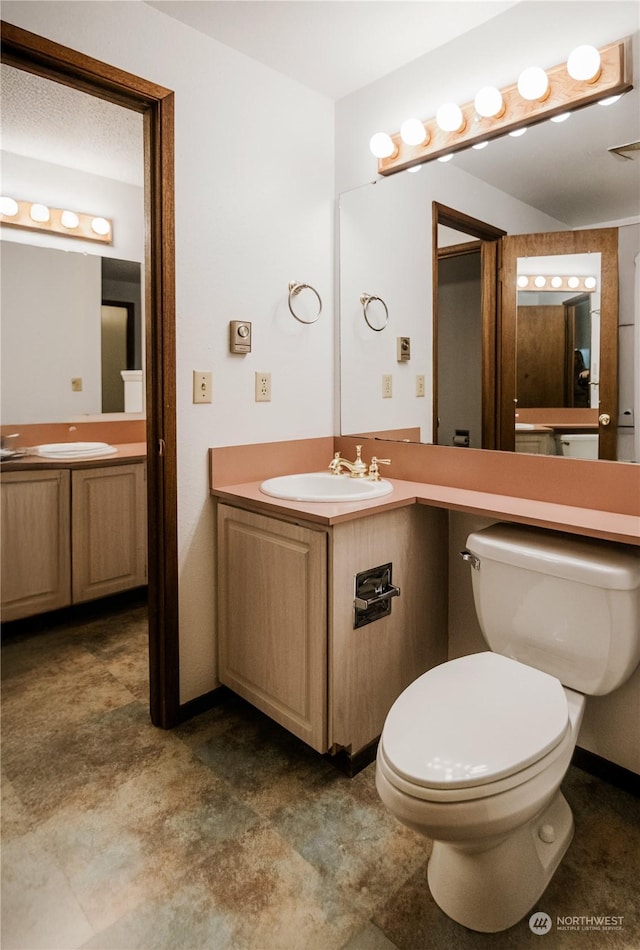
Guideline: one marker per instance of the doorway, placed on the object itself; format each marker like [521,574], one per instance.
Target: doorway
[35,54]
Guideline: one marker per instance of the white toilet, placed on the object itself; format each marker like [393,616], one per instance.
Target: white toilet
[473,752]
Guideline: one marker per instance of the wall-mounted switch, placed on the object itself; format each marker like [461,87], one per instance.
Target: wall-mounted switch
[387,386]
[403,344]
[420,385]
[76,384]
[239,336]
[201,387]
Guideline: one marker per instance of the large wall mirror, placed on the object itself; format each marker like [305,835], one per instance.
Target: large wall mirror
[72,314]
[470,379]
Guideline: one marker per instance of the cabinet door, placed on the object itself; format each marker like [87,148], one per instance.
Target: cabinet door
[272,619]
[109,535]
[36,572]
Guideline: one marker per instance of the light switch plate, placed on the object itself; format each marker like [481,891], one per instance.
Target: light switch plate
[201,387]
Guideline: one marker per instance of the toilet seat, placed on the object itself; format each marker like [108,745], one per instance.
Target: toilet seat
[472,727]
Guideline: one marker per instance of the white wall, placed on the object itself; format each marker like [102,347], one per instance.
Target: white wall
[254,206]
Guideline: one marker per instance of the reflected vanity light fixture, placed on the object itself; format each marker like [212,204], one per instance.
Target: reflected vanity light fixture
[34,216]
[588,76]
[556,282]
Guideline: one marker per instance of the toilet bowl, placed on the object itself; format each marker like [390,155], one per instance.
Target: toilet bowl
[473,753]
[504,775]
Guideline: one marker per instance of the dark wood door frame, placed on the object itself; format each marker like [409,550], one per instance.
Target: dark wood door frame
[37,55]
[488,236]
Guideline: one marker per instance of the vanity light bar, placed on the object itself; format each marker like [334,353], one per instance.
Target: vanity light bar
[564,93]
[38,217]
[557,282]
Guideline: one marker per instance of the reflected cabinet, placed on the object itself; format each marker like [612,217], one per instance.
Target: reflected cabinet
[70,536]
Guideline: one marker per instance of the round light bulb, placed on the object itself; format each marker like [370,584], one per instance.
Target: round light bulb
[523,281]
[480,145]
[413,132]
[39,213]
[415,168]
[533,83]
[449,117]
[488,102]
[100,226]
[556,281]
[540,281]
[584,63]
[517,133]
[446,158]
[590,283]
[9,207]
[561,118]
[573,282]
[381,145]
[69,219]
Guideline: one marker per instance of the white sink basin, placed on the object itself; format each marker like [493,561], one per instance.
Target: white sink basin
[324,486]
[74,450]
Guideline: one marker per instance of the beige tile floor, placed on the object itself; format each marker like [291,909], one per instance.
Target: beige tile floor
[227,832]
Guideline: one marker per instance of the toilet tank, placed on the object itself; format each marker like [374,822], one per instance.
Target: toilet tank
[567,605]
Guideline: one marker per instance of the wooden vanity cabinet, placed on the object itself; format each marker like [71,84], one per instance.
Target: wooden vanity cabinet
[36,555]
[108,530]
[71,535]
[286,638]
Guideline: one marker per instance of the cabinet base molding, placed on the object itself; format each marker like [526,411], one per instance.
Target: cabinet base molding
[350,764]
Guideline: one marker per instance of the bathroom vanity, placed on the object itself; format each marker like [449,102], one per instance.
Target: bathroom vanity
[287,641]
[71,533]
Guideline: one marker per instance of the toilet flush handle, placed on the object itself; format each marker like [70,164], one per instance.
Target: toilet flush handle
[473,560]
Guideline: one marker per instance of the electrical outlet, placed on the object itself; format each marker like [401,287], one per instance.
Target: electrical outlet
[387,385]
[263,387]
[76,384]
[420,385]
[201,387]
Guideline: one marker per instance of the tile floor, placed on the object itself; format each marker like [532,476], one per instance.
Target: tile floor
[227,832]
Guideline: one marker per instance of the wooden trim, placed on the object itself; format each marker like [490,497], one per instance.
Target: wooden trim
[487,237]
[35,54]
[610,772]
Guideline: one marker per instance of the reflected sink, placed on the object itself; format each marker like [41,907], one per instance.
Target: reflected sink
[74,450]
[324,486]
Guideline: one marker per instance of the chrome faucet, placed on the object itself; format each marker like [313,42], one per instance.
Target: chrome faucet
[358,468]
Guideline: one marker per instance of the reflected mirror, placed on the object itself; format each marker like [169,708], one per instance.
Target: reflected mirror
[71,312]
[387,247]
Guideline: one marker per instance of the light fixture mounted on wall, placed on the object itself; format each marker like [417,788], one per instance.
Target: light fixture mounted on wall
[38,217]
[588,76]
[557,282]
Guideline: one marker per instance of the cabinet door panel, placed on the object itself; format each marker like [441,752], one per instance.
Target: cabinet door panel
[109,530]
[35,542]
[273,619]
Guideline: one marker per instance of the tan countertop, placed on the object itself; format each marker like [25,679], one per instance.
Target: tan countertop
[585,521]
[127,452]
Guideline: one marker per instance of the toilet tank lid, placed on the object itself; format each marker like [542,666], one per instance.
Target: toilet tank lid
[591,561]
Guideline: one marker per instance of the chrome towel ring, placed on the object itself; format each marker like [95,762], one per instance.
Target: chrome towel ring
[295,287]
[365,300]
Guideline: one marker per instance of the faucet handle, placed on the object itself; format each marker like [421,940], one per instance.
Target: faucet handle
[374,474]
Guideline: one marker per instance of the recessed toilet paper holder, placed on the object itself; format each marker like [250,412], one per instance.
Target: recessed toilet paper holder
[373,593]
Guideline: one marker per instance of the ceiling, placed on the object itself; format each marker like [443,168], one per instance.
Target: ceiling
[312,41]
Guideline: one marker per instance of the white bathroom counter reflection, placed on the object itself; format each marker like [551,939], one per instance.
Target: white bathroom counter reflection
[584,521]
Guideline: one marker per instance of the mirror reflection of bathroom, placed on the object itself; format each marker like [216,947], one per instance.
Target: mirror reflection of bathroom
[67,149]
[557,353]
